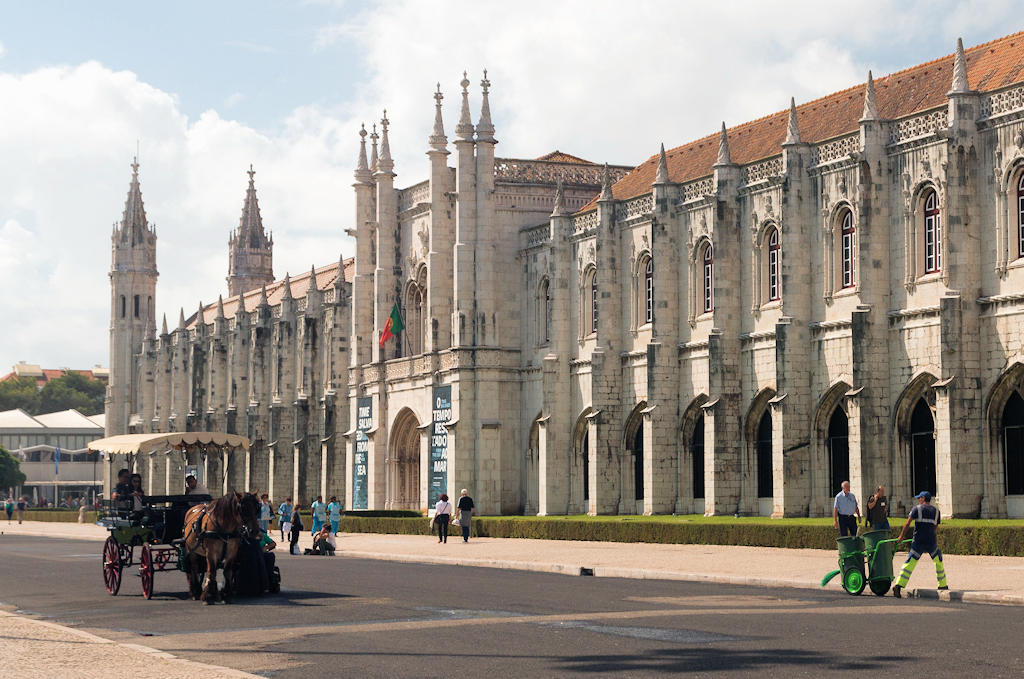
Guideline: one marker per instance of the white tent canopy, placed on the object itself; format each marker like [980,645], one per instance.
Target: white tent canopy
[131,444]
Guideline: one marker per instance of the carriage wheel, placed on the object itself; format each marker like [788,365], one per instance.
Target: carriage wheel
[111,565]
[146,571]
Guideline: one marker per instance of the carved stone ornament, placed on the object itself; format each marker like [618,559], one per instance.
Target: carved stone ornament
[1018,138]
[768,209]
[645,242]
[842,184]
[704,225]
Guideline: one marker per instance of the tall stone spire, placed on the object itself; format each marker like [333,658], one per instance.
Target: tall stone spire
[385,163]
[362,173]
[464,130]
[960,83]
[163,326]
[484,127]
[606,185]
[262,301]
[661,177]
[312,280]
[250,251]
[438,140]
[870,107]
[220,306]
[134,226]
[723,148]
[373,149]
[181,318]
[559,209]
[792,129]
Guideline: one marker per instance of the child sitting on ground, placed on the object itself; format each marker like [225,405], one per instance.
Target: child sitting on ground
[323,542]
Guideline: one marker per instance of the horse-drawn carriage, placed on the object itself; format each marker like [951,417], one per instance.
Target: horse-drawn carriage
[191,533]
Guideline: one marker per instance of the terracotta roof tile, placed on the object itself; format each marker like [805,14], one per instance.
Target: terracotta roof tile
[325,278]
[990,66]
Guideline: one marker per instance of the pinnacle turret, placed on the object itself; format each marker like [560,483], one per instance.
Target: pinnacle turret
[163,326]
[312,280]
[362,173]
[181,318]
[870,107]
[559,209]
[220,306]
[287,287]
[723,148]
[792,128]
[484,127]
[661,177]
[464,130]
[385,163]
[606,185]
[250,250]
[373,148]
[262,301]
[960,83]
[438,140]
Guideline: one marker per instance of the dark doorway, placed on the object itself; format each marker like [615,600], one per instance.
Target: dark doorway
[764,456]
[585,452]
[838,449]
[1013,444]
[697,456]
[922,448]
[638,462]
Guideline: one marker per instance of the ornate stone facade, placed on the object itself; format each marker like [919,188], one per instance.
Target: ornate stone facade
[734,326]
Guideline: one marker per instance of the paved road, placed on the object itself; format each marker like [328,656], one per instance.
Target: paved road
[344,617]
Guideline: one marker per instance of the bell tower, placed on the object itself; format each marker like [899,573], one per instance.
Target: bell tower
[133,277]
[250,251]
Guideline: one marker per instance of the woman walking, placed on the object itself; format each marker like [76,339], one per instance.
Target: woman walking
[466,511]
[442,515]
[284,513]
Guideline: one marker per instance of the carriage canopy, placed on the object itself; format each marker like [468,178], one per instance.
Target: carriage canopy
[132,444]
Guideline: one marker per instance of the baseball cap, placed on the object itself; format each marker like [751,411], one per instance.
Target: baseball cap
[924,494]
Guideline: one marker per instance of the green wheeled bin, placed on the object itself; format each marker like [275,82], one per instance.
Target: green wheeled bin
[851,565]
[879,549]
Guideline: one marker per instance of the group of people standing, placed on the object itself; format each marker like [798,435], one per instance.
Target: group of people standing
[326,519]
[925,517]
[12,505]
[443,513]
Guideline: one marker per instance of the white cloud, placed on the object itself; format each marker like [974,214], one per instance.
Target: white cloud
[67,135]
[233,99]
[601,79]
[3,50]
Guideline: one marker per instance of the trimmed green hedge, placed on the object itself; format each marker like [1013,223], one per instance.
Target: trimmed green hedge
[372,513]
[993,540]
[57,515]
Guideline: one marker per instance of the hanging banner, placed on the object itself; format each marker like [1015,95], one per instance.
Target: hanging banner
[442,414]
[360,466]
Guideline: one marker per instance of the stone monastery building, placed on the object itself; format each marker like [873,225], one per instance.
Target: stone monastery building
[736,325]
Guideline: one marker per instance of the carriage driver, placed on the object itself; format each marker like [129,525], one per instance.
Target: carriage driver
[122,490]
[193,487]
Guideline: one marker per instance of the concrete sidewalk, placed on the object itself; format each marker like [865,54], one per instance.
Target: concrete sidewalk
[982,579]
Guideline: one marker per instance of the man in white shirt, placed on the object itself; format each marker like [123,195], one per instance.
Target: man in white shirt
[845,511]
[193,487]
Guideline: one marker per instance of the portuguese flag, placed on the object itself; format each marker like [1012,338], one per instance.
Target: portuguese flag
[393,326]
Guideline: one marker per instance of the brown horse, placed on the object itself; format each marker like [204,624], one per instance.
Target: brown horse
[212,534]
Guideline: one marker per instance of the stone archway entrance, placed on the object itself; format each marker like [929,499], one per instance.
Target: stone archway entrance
[922,448]
[838,448]
[403,463]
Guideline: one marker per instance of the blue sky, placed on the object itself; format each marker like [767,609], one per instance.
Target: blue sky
[209,87]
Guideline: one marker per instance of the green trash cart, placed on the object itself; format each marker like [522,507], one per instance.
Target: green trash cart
[851,565]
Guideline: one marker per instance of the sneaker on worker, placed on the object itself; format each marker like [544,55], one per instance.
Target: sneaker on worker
[944,587]
[897,591]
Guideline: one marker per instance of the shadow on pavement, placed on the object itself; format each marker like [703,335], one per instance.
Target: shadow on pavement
[723,660]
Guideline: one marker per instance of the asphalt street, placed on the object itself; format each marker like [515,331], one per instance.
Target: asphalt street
[346,617]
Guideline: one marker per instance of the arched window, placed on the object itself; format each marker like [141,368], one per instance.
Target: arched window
[838,448]
[544,311]
[593,302]
[649,290]
[774,265]
[697,457]
[136,306]
[124,307]
[415,316]
[708,288]
[847,245]
[932,233]
[1020,215]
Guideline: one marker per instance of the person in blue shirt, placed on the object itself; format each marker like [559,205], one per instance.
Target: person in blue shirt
[334,514]
[266,512]
[284,515]
[319,511]
[926,520]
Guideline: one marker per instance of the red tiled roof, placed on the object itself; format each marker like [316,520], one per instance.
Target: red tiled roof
[557,156]
[990,66]
[325,278]
[51,374]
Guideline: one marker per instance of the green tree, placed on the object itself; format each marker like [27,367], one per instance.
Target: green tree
[11,475]
[20,392]
[72,390]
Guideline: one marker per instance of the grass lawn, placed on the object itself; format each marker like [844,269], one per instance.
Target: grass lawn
[895,522]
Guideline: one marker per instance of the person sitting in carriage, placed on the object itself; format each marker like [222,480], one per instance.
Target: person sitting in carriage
[122,491]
